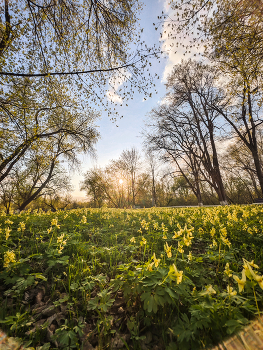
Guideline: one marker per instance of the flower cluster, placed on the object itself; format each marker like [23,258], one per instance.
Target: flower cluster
[168,250]
[54,222]
[155,262]
[248,272]
[143,241]
[22,226]
[223,236]
[9,257]
[133,240]
[180,248]
[175,274]
[227,271]
[145,224]
[7,233]
[83,220]
[61,243]
[188,239]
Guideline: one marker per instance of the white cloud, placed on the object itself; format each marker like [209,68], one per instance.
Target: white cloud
[115,82]
[113,97]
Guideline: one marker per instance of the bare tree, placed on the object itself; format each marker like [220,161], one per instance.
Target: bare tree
[130,161]
[153,164]
[238,163]
[8,192]
[185,126]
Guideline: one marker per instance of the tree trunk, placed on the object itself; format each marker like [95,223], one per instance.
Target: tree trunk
[255,155]
[35,194]
[153,189]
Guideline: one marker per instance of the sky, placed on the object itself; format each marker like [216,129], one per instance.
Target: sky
[125,133]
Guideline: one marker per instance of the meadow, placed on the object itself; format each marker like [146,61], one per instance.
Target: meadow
[173,278]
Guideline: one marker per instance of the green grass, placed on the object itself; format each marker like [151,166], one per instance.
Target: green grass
[94,276]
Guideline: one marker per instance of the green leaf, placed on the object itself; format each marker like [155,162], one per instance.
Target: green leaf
[171,293]
[234,325]
[150,304]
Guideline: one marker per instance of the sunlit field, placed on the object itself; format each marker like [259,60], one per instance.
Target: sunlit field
[182,278]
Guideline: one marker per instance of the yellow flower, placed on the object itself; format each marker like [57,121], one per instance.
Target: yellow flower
[259,279]
[212,232]
[178,274]
[251,274]
[9,222]
[54,222]
[165,229]
[209,290]
[83,220]
[201,231]
[60,238]
[168,250]
[155,225]
[227,270]
[164,237]
[49,230]
[225,241]
[187,240]
[223,231]
[149,268]
[143,241]
[186,230]
[155,260]
[145,224]
[7,233]
[230,291]
[132,240]
[189,256]
[241,282]
[176,235]
[22,226]
[9,257]
[249,230]
[251,263]
[248,270]
[61,242]
[214,244]
[180,248]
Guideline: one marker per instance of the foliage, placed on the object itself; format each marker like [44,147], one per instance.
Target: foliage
[187,276]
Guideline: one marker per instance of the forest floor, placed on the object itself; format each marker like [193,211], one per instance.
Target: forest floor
[159,278]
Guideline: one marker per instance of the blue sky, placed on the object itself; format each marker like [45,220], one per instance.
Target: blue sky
[125,133]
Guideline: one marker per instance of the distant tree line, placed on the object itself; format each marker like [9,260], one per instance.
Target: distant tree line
[161,177]
[169,177]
